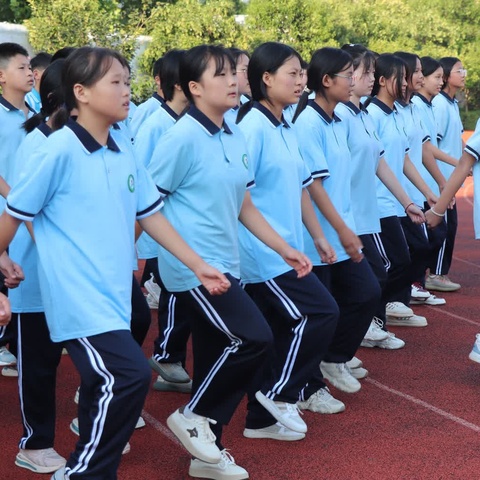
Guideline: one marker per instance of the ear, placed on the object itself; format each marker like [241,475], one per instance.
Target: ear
[382,81]
[327,81]
[81,93]
[267,78]
[177,87]
[158,83]
[195,89]
[2,75]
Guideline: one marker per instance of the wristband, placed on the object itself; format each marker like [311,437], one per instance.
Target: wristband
[441,215]
[406,208]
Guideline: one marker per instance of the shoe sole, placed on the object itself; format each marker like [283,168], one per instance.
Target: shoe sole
[251,433]
[370,345]
[474,357]
[398,322]
[23,463]
[156,366]
[205,472]
[442,289]
[322,412]
[163,386]
[359,376]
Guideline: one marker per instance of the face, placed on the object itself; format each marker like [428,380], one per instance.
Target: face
[109,97]
[342,85]
[304,78]
[417,77]
[216,92]
[17,75]
[363,80]
[285,86]
[432,84]
[391,86]
[242,77]
[457,76]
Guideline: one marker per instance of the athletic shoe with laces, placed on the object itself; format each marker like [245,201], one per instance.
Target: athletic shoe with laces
[359,373]
[431,300]
[195,435]
[171,372]
[152,302]
[7,358]
[287,414]
[375,331]
[162,385]
[45,460]
[441,283]
[391,343]
[418,291]
[474,355]
[152,287]
[10,371]
[398,309]
[354,363]
[59,474]
[340,376]
[277,431]
[410,321]
[226,469]
[322,401]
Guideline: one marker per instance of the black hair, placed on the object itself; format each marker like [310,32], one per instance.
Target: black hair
[62,53]
[52,96]
[157,66]
[325,61]
[267,57]
[389,66]
[8,50]
[195,61]
[360,54]
[170,72]
[429,65]
[41,60]
[447,64]
[410,60]
[237,53]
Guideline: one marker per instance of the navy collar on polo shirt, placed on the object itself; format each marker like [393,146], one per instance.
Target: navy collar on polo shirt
[205,122]
[88,141]
[402,103]
[169,111]
[45,129]
[424,99]
[448,97]
[10,107]
[383,106]
[351,106]
[156,96]
[273,119]
[327,119]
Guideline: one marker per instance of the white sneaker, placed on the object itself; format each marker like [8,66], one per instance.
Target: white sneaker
[152,302]
[140,423]
[59,474]
[45,460]
[474,355]
[411,321]
[152,287]
[418,292]
[322,401]
[170,372]
[375,331]
[398,309]
[7,358]
[226,469]
[359,373]
[391,343]
[354,363]
[431,300]
[10,371]
[339,375]
[285,413]
[277,431]
[196,436]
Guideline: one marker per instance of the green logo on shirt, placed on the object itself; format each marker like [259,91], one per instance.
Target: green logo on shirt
[245,160]
[131,183]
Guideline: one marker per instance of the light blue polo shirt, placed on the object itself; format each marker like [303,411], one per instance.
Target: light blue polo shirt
[280,175]
[324,147]
[32,98]
[26,298]
[83,199]
[143,111]
[144,145]
[203,171]
[390,129]
[417,136]
[449,129]
[473,148]
[366,150]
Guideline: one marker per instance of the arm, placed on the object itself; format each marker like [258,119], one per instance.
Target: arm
[4,188]
[442,156]
[8,227]
[5,312]
[255,222]
[160,229]
[12,271]
[412,174]
[349,240]
[428,159]
[388,178]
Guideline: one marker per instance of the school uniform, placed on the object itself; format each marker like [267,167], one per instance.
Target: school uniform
[324,147]
[203,200]
[73,181]
[143,111]
[473,148]
[32,98]
[301,312]
[449,136]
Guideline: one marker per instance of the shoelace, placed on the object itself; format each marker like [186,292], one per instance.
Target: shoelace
[292,409]
[204,432]
[227,458]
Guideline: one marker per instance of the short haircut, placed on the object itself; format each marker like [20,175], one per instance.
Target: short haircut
[41,60]
[62,53]
[8,50]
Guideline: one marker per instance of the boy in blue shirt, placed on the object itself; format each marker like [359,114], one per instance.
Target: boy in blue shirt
[39,63]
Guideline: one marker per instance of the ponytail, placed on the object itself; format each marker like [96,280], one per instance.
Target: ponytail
[301,105]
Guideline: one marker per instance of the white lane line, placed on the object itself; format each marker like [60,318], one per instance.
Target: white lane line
[426,405]
[459,317]
[466,261]
[160,427]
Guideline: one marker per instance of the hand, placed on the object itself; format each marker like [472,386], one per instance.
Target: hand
[12,271]
[325,250]
[298,261]
[452,203]
[432,199]
[5,312]
[214,281]
[352,244]
[432,220]
[415,214]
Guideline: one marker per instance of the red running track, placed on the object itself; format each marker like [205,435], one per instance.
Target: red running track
[416,416]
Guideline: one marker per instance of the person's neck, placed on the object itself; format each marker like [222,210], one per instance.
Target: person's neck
[425,94]
[327,105]
[97,128]
[386,98]
[274,108]
[215,115]
[355,100]
[17,99]
[450,91]
[177,105]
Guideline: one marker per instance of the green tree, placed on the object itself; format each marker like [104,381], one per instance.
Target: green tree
[14,11]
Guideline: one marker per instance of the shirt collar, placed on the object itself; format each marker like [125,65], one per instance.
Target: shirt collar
[383,106]
[205,122]
[448,97]
[169,111]
[10,107]
[352,107]
[45,129]
[326,118]
[424,99]
[157,97]
[270,116]
[88,141]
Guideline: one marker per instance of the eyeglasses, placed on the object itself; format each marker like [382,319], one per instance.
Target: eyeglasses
[351,79]
[461,71]
[243,70]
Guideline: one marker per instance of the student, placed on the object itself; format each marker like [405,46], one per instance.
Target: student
[16,80]
[449,135]
[202,166]
[323,144]
[302,313]
[38,63]
[242,59]
[145,109]
[82,176]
